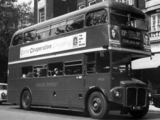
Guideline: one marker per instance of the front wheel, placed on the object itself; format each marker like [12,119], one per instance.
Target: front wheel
[26,100]
[139,113]
[97,105]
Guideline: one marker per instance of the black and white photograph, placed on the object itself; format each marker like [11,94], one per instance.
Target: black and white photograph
[79,59]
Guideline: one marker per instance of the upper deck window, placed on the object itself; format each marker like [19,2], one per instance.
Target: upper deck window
[58,29]
[42,33]
[121,17]
[96,18]
[29,36]
[17,40]
[75,23]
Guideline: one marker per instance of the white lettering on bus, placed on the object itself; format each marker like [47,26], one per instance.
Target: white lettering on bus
[22,52]
[56,45]
[52,84]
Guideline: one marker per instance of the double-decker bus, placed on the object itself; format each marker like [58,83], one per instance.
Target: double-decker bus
[81,61]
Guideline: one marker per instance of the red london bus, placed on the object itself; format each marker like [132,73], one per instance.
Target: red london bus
[81,61]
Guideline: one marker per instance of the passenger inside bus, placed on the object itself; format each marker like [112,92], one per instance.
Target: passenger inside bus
[28,37]
[37,72]
[57,72]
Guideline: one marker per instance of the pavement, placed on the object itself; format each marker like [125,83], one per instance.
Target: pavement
[152,108]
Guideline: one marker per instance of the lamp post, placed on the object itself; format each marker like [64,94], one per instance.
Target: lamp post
[67,3]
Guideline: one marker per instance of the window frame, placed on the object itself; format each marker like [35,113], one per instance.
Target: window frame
[40,20]
[156,25]
[92,2]
[24,41]
[93,12]
[18,43]
[76,18]
[72,64]
[57,25]
[41,31]
[35,68]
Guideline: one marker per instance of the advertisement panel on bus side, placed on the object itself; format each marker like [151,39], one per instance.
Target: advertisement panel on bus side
[56,45]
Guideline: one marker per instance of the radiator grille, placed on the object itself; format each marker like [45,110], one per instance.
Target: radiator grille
[136,97]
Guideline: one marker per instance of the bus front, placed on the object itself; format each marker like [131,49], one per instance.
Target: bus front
[128,40]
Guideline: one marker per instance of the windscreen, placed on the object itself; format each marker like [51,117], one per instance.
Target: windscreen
[120,67]
[3,87]
[120,17]
[121,63]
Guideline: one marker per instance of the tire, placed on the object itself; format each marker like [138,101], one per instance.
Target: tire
[97,105]
[139,113]
[26,100]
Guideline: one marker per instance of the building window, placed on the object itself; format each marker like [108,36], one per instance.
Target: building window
[158,22]
[41,15]
[92,2]
[129,2]
[155,22]
[81,7]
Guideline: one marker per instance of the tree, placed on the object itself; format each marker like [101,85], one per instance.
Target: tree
[8,22]
[26,16]
[11,17]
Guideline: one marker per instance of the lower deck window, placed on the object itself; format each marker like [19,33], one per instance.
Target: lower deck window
[40,71]
[73,68]
[27,72]
[55,69]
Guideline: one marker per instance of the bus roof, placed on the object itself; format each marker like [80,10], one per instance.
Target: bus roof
[100,5]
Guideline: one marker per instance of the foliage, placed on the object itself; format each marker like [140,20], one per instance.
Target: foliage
[11,17]
[26,16]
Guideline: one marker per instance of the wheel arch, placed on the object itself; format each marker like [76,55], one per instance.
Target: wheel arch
[94,89]
[25,88]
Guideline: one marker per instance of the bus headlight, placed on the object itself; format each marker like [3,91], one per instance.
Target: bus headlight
[117,93]
[149,94]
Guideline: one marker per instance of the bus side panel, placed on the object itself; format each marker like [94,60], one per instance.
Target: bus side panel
[13,94]
[102,80]
[99,39]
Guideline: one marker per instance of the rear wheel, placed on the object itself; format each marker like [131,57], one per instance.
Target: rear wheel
[139,113]
[97,105]
[26,100]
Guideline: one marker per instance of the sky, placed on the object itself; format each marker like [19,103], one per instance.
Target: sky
[21,1]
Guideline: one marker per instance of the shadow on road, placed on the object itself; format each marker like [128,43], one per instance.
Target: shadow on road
[112,115]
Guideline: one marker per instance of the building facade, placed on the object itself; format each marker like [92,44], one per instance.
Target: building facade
[47,9]
[153,11]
